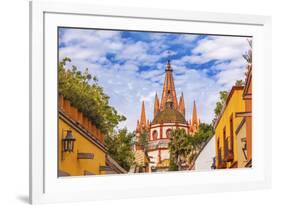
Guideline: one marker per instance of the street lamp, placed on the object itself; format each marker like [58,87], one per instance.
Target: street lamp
[68,141]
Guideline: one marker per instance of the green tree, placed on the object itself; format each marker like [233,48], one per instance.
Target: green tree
[184,146]
[83,91]
[222,100]
[204,132]
[173,166]
[223,96]
[220,103]
[144,139]
[179,147]
[197,141]
[239,82]
[119,145]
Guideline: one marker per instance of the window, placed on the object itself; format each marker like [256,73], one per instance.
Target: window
[168,133]
[154,135]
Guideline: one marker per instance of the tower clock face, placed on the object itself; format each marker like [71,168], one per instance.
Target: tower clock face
[155,134]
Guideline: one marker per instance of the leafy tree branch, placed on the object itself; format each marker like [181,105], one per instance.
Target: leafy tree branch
[84,93]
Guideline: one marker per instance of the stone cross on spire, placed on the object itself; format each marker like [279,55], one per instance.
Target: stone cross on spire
[169,56]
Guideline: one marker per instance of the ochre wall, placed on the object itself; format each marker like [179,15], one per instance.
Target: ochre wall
[70,164]
[235,104]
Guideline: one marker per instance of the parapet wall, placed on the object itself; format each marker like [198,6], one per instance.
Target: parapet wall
[74,114]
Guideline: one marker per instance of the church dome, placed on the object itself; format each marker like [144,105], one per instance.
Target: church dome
[169,115]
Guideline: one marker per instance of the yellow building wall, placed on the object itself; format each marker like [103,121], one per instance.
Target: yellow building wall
[235,104]
[70,164]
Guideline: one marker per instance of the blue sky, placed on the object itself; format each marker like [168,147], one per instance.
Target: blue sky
[131,66]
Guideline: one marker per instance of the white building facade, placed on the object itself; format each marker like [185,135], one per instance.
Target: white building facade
[205,159]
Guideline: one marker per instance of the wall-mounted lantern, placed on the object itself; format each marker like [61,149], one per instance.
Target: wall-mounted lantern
[68,142]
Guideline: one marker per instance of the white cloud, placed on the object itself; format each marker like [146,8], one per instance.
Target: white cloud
[218,48]
[227,53]
[196,85]
[186,39]
[152,74]
[127,87]
[230,76]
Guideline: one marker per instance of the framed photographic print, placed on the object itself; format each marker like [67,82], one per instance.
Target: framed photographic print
[129,102]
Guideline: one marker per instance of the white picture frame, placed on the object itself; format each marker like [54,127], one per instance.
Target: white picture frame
[46,187]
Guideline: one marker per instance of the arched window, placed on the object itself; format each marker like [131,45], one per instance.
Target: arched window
[154,135]
[168,133]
